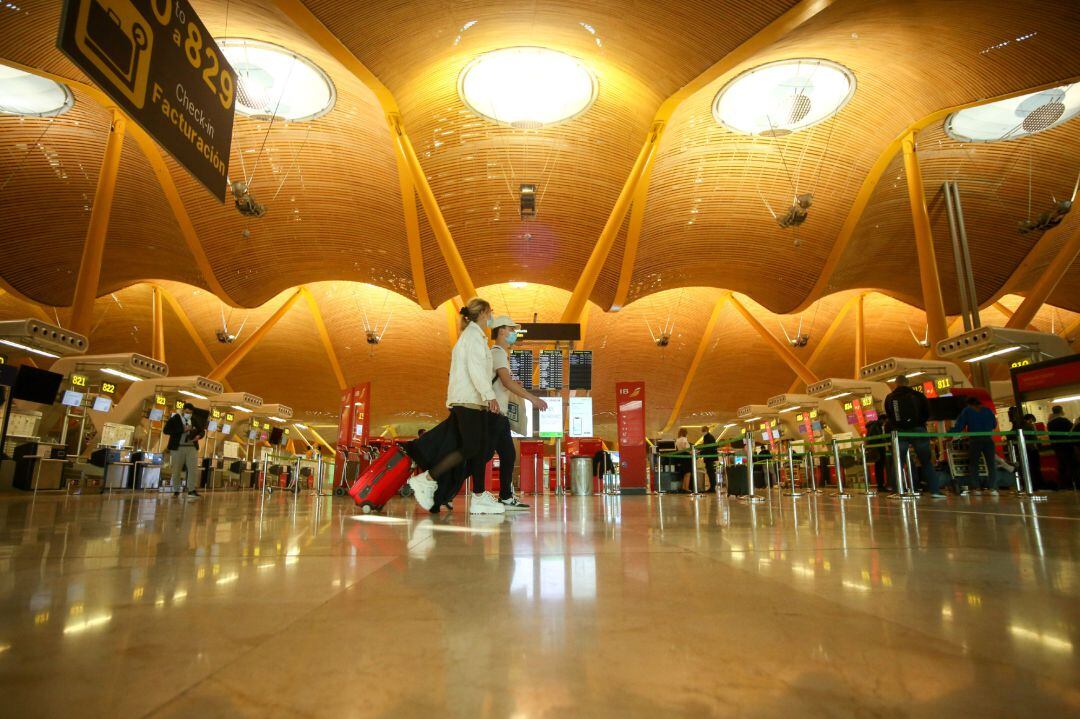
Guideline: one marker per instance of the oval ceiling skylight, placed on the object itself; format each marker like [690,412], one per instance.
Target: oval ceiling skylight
[274,82]
[527,87]
[31,96]
[1015,117]
[782,97]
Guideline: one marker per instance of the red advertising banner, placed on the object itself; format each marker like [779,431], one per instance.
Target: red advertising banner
[630,406]
[345,420]
[361,414]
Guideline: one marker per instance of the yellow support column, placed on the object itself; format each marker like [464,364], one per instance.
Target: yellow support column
[825,339]
[924,243]
[228,364]
[158,349]
[779,347]
[1047,283]
[703,345]
[86,285]
[860,337]
[320,325]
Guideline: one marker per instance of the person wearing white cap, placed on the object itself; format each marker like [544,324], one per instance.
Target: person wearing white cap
[505,333]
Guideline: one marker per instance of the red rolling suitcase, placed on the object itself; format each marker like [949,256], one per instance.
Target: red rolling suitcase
[382,480]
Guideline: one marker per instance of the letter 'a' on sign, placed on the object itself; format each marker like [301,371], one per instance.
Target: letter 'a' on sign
[156,60]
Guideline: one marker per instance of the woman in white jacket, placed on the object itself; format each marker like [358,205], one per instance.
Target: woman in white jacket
[472,404]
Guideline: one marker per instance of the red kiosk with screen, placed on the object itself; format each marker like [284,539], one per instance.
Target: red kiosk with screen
[630,406]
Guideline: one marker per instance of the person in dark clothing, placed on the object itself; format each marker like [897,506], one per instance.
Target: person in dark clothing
[602,464]
[707,439]
[1062,446]
[1031,442]
[908,411]
[183,447]
[977,418]
[875,431]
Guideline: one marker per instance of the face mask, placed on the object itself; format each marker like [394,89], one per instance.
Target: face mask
[511,337]
[187,415]
[490,322]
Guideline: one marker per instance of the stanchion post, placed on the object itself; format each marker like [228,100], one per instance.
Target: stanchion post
[1029,493]
[839,472]
[693,469]
[750,496]
[870,492]
[898,464]
[791,471]
[659,473]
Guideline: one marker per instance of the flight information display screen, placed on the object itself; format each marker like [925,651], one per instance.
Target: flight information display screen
[551,369]
[521,367]
[581,369]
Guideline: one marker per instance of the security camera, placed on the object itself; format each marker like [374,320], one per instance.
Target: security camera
[224,337]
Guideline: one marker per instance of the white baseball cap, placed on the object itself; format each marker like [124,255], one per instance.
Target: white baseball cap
[503,321]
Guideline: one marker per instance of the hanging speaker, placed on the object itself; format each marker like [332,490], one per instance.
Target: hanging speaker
[528,201]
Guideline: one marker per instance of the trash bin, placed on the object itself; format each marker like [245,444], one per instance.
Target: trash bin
[581,476]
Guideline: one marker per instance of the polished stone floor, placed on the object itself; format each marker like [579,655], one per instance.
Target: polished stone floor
[239,606]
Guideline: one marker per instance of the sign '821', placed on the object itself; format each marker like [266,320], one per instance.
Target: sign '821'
[157,61]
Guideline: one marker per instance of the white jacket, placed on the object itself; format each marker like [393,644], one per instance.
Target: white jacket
[470,369]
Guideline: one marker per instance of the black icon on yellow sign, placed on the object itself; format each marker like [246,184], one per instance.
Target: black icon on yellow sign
[115,36]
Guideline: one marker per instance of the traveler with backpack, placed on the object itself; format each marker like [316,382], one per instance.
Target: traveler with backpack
[908,411]
[977,418]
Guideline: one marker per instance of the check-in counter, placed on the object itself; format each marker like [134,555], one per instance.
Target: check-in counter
[39,465]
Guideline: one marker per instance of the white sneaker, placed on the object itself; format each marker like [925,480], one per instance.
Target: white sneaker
[993,493]
[423,487]
[513,505]
[485,503]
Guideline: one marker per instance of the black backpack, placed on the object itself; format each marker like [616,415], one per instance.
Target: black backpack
[907,409]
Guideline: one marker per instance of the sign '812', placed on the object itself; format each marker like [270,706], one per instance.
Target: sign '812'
[158,62]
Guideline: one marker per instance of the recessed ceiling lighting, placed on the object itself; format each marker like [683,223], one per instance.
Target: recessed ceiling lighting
[527,87]
[272,81]
[31,96]
[782,97]
[1016,116]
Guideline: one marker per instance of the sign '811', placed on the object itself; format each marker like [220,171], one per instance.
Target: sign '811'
[157,61]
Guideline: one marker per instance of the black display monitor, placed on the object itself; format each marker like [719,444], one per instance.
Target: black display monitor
[946,408]
[36,385]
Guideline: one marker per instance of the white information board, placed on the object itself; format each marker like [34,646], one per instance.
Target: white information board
[551,419]
[581,417]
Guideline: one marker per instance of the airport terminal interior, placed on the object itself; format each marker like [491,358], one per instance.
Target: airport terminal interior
[771,407]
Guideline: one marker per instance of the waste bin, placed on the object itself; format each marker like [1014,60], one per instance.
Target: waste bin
[581,475]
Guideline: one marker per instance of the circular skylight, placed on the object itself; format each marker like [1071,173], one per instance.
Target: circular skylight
[527,87]
[274,82]
[1015,117]
[29,95]
[782,97]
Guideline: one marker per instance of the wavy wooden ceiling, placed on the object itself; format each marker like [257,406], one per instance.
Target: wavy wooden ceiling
[336,210]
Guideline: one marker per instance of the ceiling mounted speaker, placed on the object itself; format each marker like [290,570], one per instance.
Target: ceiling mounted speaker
[800,108]
[1044,116]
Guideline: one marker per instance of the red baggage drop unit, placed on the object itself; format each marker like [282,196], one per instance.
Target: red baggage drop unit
[531,454]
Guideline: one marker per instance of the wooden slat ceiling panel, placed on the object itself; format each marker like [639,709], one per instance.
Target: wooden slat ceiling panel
[28,36]
[904,70]
[48,172]
[647,50]
[993,180]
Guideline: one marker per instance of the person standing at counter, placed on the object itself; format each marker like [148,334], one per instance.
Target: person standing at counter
[977,418]
[908,411]
[1062,446]
[707,439]
[183,448]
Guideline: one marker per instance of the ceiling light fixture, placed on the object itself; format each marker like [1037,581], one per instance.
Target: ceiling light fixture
[28,348]
[995,353]
[241,409]
[196,395]
[121,374]
[1016,116]
[838,395]
[909,375]
[527,87]
[783,97]
[1070,398]
[788,409]
[273,81]
[27,95]
[752,419]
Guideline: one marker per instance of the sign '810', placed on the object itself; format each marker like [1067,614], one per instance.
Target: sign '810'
[158,62]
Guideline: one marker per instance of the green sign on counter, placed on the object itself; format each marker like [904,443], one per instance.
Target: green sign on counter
[158,62]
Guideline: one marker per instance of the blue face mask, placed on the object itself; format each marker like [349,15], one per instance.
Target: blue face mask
[511,337]
[490,322]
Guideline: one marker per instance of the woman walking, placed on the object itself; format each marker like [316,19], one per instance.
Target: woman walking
[471,399]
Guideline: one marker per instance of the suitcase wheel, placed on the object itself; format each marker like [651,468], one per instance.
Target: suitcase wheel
[339,491]
[367,508]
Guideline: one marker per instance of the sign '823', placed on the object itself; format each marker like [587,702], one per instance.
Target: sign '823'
[157,61]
